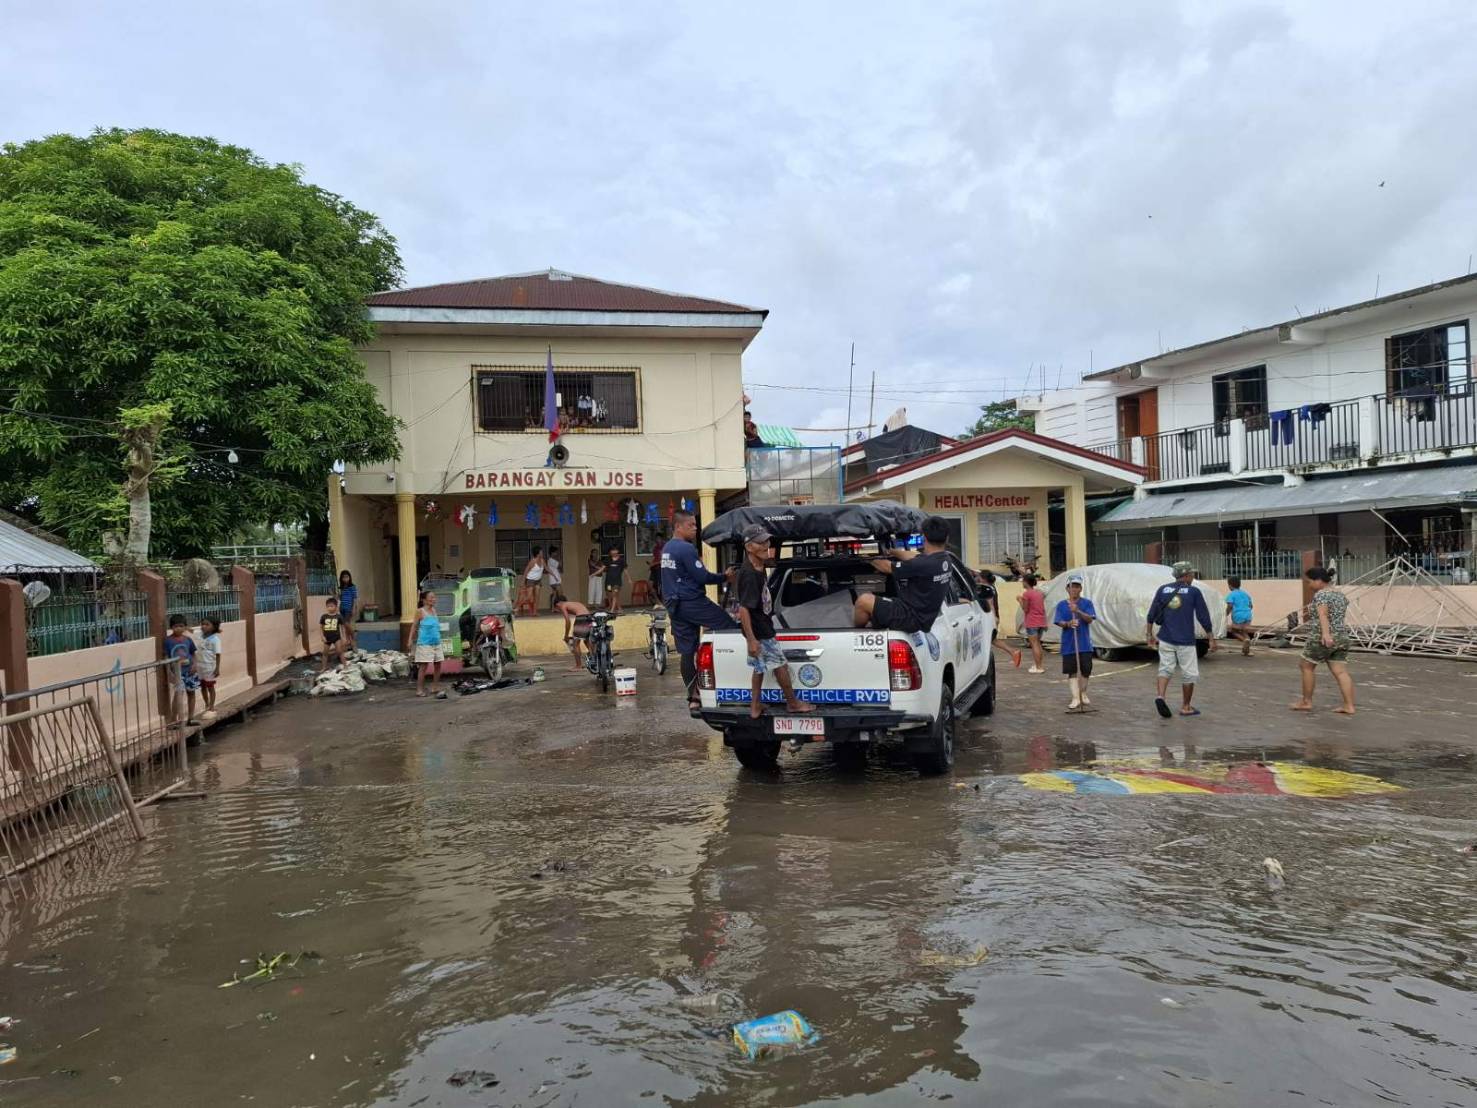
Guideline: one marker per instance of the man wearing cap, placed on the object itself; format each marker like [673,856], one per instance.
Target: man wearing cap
[756,617]
[1177,607]
[684,577]
[1075,616]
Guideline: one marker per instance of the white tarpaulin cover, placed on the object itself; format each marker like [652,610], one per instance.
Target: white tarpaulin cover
[1122,592]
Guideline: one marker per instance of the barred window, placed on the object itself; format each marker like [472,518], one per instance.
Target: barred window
[512,399]
[1002,533]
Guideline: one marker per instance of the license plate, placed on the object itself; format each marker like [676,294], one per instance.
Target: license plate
[797,725]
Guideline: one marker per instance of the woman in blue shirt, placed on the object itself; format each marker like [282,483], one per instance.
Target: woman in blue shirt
[428,650]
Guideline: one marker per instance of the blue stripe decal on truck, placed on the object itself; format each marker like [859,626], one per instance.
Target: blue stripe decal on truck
[815,696]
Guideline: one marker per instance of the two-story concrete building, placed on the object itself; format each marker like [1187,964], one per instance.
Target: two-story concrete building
[1351,431]
[649,387]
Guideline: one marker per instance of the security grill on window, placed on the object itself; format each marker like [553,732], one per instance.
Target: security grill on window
[511,399]
[1420,364]
[514,548]
[1006,533]
[1240,395]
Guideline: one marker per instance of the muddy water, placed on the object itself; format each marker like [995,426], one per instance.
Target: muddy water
[528,884]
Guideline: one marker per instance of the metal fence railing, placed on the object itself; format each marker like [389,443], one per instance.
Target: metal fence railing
[194,604]
[276,593]
[1191,452]
[1438,421]
[322,581]
[1117,449]
[76,621]
[1314,434]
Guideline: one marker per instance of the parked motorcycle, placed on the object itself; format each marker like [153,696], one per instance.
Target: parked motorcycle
[489,647]
[656,633]
[599,657]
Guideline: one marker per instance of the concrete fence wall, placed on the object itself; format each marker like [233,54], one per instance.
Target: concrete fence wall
[257,647]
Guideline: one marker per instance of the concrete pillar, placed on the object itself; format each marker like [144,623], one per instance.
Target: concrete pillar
[1074,504]
[1237,452]
[1369,430]
[244,582]
[405,536]
[337,526]
[14,673]
[707,510]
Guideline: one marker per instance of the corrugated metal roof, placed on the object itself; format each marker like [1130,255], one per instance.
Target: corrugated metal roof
[549,290]
[775,435]
[20,549]
[1349,493]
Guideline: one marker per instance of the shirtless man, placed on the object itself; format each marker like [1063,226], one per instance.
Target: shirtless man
[576,628]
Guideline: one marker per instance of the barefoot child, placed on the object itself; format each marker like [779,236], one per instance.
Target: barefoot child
[577,625]
[1074,616]
[1328,644]
[1238,614]
[179,647]
[756,617]
[331,624]
[208,662]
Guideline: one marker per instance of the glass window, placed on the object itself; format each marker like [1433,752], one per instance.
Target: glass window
[1007,533]
[1422,363]
[514,548]
[1240,395]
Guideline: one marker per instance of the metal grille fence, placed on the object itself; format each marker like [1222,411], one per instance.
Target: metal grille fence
[1311,435]
[275,593]
[68,786]
[76,621]
[1191,452]
[1435,421]
[195,604]
[322,582]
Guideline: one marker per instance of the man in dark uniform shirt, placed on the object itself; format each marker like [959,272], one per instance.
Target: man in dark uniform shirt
[922,585]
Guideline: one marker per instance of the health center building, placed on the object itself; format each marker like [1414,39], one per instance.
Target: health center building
[649,392]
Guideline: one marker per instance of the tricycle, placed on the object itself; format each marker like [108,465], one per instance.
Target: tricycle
[484,611]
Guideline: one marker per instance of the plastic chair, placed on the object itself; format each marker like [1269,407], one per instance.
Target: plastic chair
[527,602]
[641,595]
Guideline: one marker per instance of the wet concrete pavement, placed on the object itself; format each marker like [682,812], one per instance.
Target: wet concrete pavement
[527,883]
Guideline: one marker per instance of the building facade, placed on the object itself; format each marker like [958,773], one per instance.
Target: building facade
[1352,432]
[649,395]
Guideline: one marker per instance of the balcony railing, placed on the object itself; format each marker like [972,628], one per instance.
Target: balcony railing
[1314,434]
[1438,421]
[1325,434]
[1190,452]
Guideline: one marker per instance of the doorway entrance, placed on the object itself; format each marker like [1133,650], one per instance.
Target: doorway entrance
[422,566]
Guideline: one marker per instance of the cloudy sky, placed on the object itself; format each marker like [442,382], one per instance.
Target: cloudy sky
[974,194]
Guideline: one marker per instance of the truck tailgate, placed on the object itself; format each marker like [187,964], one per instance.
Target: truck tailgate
[831,667]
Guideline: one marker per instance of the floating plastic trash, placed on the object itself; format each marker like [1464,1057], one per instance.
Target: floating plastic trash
[757,1038]
[7,1054]
[955,959]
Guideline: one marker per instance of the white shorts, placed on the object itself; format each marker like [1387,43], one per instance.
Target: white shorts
[1172,656]
[429,654]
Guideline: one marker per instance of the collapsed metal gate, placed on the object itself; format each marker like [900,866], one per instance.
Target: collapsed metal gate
[73,789]
[79,758]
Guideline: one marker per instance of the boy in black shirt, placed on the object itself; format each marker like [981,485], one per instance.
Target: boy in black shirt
[331,623]
[922,585]
[756,617]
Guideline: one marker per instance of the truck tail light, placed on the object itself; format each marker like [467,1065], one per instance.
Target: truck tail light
[902,666]
[706,679]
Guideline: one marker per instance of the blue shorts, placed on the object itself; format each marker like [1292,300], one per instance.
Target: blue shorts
[1034,632]
[188,682]
[770,657]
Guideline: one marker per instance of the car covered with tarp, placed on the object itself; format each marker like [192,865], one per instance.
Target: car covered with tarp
[1121,592]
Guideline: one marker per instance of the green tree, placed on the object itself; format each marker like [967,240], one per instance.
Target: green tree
[998,416]
[186,297]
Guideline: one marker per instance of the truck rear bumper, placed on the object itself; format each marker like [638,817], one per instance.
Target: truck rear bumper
[843,723]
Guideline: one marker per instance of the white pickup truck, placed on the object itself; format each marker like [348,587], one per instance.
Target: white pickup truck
[868,685]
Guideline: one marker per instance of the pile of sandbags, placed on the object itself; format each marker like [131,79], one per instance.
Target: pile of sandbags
[360,670]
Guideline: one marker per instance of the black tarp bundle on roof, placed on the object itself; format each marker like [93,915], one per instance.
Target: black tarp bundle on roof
[806,522]
[906,444]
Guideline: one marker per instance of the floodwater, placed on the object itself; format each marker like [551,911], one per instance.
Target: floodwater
[527,883]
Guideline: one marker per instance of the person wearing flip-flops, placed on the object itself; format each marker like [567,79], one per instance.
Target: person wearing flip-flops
[1074,616]
[1177,607]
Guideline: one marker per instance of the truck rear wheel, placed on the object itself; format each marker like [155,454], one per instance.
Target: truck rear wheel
[757,755]
[939,757]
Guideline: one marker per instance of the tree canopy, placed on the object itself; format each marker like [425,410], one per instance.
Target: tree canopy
[142,271]
[999,415]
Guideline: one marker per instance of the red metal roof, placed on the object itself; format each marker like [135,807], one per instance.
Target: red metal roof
[550,290]
[969,445]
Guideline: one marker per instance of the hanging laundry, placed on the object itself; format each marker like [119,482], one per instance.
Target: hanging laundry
[1282,427]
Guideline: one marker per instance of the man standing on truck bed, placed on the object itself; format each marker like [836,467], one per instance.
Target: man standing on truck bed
[922,586]
[756,617]
[683,579]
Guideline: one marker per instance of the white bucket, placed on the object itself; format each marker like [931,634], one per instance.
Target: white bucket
[625,682]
